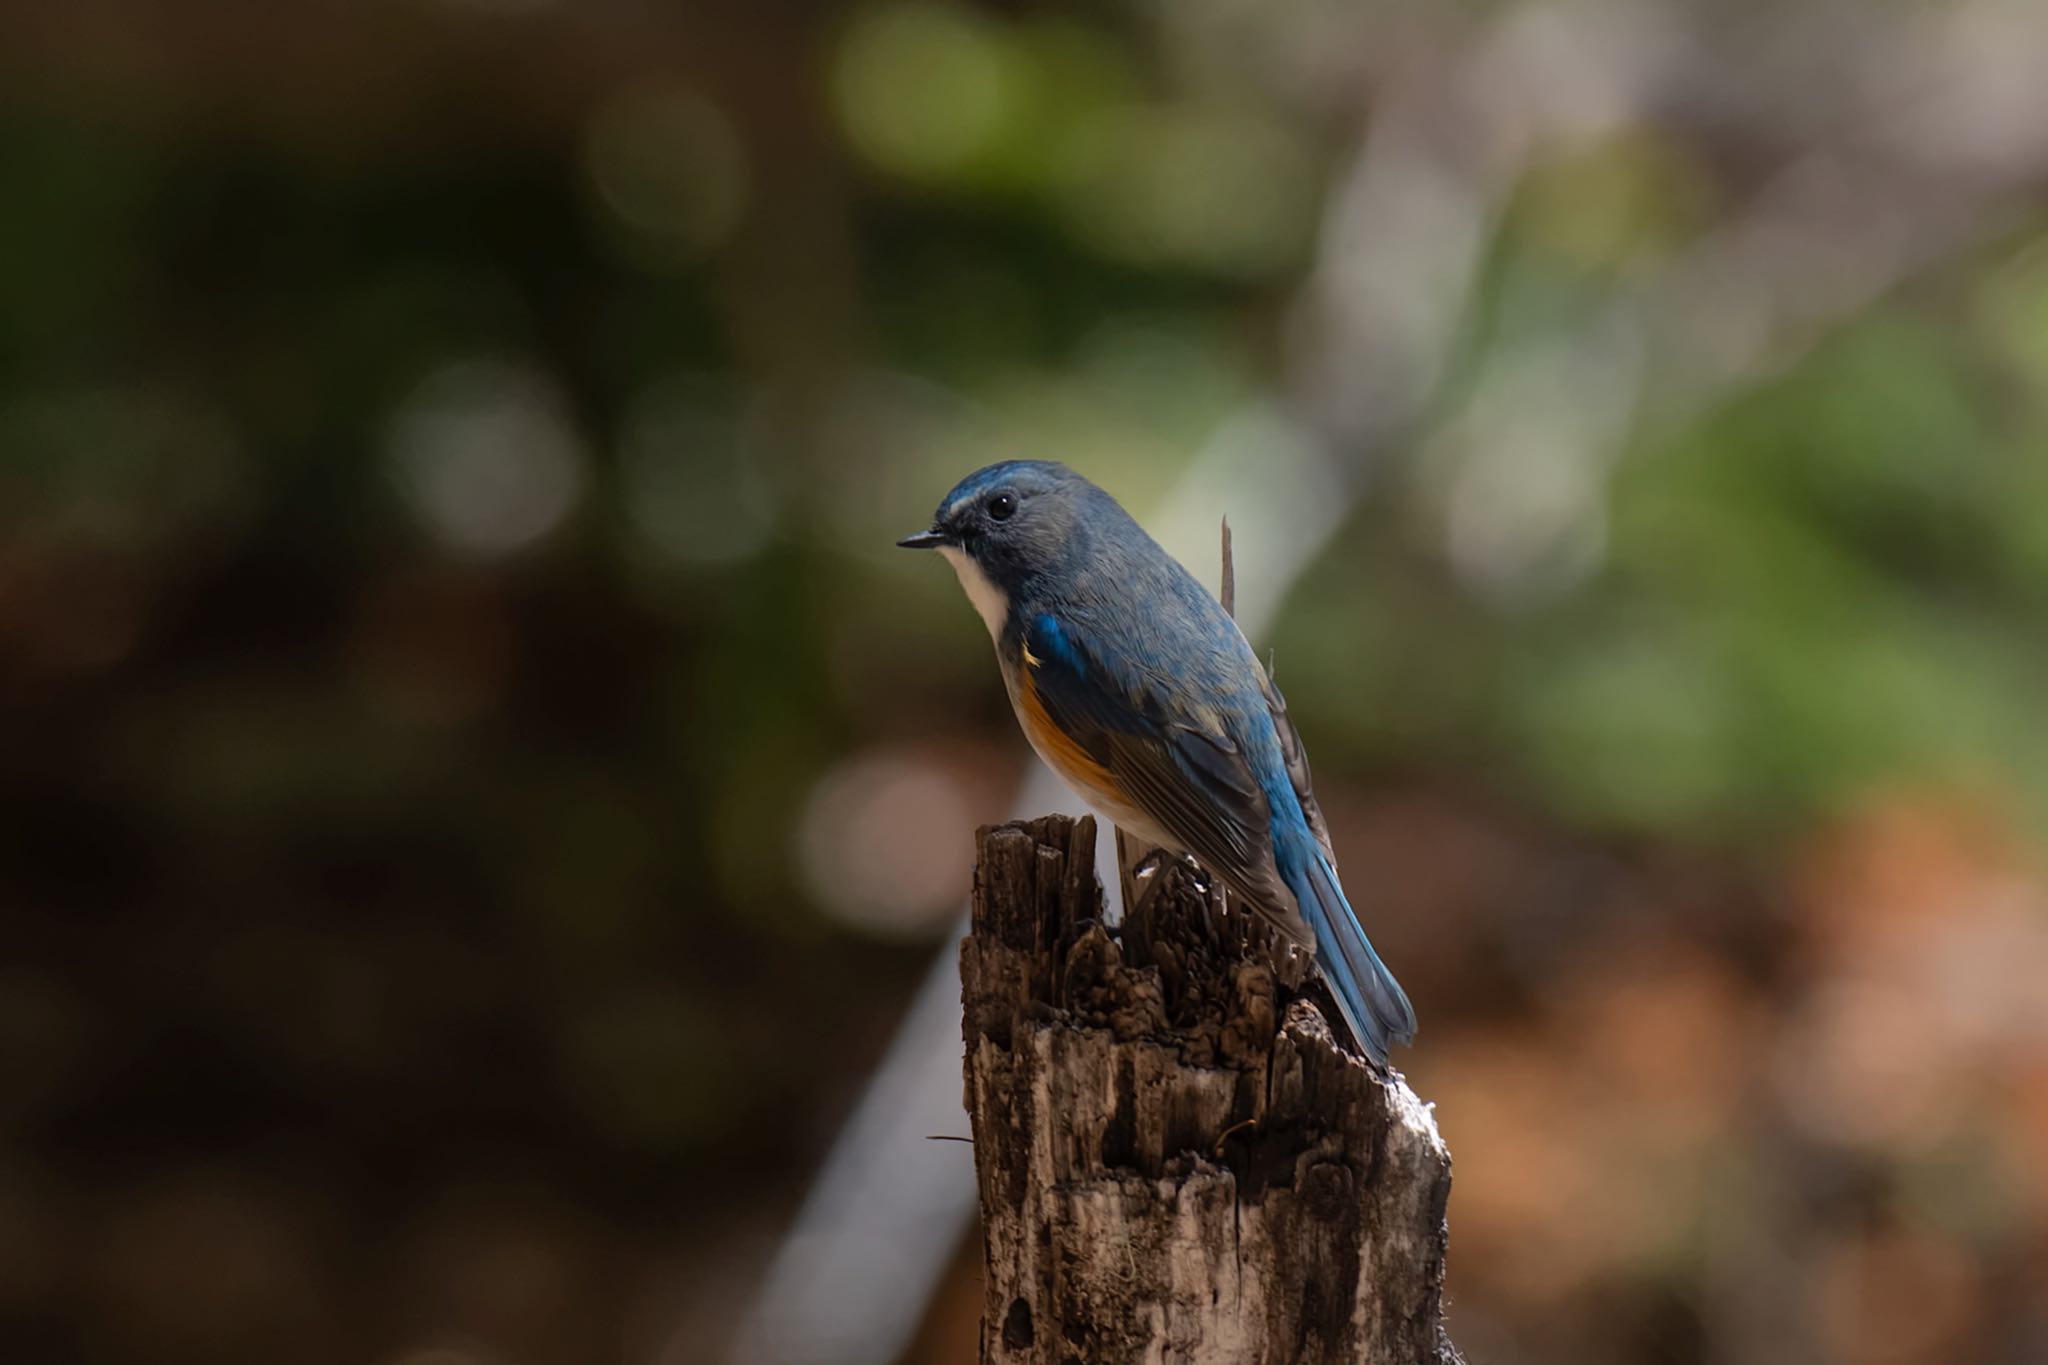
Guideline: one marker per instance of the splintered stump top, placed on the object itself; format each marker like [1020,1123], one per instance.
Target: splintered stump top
[1177,1164]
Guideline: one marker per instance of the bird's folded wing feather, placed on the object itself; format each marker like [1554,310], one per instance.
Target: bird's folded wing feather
[1186,774]
[1296,758]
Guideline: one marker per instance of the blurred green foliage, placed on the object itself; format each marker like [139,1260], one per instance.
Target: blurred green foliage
[1821,587]
[449,455]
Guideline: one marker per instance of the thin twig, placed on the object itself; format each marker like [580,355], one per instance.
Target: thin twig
[1229,573]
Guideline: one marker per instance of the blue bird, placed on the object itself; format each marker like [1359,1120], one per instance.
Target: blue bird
[1137,688]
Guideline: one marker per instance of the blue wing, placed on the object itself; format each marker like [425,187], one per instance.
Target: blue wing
[1183,769]
[1231,785]
[1374,1005]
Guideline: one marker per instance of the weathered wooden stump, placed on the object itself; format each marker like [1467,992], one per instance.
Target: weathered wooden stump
[1176,1162]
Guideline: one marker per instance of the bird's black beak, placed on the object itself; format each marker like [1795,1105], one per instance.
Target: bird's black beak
[927,540]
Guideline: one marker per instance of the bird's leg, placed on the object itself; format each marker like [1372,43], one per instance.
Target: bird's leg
[1138,866]
[1147,876]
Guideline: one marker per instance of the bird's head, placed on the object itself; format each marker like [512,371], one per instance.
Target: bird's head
[1006,525]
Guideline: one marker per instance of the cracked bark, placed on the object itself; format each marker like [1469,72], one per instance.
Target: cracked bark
[1176,1163]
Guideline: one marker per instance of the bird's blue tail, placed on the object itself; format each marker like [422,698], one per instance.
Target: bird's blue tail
[1373,1003]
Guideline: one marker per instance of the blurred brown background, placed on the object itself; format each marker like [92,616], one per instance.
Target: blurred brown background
[477,788]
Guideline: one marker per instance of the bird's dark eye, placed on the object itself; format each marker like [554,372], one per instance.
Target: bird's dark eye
[1002,507]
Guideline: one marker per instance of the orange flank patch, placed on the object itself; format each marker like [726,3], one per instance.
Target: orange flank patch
[1065,757]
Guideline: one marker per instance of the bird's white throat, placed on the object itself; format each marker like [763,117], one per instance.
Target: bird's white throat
[988,599]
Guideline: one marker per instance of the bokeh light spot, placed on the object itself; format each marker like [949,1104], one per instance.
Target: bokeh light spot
[486,457]
[1219,191]
[669,171]
[925,90]
[887,840]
